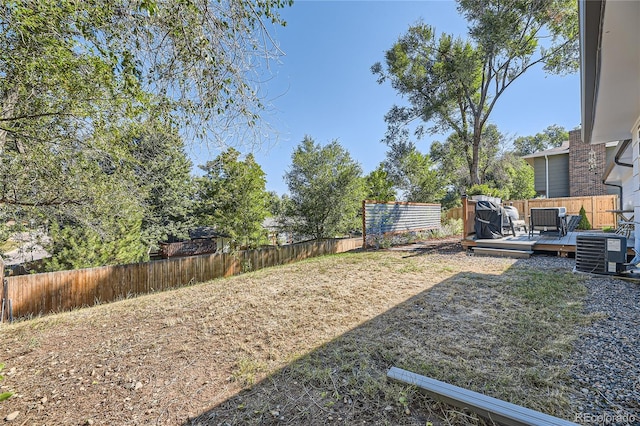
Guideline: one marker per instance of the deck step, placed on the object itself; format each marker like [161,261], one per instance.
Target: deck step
[506,244]
[502,252]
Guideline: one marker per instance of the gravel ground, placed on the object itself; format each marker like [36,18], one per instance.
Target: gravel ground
[606,362]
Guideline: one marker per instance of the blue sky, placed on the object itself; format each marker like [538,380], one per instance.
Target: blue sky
[323,86]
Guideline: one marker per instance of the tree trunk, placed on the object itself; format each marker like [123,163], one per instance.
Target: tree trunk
[8,107]
[474,170]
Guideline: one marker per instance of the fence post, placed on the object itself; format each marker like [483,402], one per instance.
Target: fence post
[464,217]
[364,225]
[5,291]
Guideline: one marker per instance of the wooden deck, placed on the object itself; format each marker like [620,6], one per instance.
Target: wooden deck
[539,242]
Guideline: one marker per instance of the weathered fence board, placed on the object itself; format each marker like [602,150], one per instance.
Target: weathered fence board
[3,293]
[64,290]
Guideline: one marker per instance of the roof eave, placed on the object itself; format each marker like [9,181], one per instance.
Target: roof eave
[591,15]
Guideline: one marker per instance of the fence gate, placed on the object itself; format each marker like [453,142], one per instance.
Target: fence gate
[380,218]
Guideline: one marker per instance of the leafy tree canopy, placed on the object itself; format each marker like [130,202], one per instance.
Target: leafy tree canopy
[326,189]
[504,174]
[71,71]
[232,197]
[414,174]
[163,171]
[551,137]
[454,156]
[513,177]
[189,61]
[379,186]
[453,84]
[77,77]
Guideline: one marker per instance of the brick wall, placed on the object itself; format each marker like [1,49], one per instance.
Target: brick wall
[583,181]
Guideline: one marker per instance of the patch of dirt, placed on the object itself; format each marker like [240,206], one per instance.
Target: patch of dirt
[448,245]
[306,343]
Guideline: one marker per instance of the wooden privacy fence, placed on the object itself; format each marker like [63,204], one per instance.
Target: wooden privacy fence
[380,218]
[595,208]
[64,290]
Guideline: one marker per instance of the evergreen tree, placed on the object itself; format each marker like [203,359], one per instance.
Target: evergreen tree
[163,172]
[107,232]
[584,223]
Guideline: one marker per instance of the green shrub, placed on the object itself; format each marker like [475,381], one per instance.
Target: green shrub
[484,189]
[452,227]
[584,221]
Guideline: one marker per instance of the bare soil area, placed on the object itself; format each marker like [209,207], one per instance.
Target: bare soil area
[306,343]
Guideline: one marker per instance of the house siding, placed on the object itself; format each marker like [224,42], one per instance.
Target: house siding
[558,176]
[576,173]
[540,177]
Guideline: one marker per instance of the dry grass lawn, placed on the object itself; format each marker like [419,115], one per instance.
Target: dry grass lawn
[306,343]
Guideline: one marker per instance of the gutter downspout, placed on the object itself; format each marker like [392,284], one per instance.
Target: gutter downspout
[622,149]
[617,186]
[616,160]
[546,170]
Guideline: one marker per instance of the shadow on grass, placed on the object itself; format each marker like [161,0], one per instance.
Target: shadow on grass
[503,335]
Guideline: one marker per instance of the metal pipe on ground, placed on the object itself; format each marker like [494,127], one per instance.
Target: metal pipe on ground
[497,410]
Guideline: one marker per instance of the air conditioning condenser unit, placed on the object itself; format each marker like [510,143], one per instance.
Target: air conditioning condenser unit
[601,253]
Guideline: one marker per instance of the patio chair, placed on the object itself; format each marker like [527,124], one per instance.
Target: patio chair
[625,227]
[548,219]
[514,220]
[507,224]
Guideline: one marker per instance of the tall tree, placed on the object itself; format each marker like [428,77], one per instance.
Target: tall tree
[75,73]
[326,189]
[551,137]
[453,84]
[232,197]
[104,232]
[163,172]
